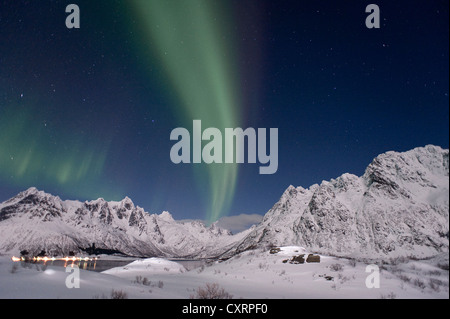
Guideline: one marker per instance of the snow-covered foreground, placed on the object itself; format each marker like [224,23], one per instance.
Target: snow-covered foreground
[250,275]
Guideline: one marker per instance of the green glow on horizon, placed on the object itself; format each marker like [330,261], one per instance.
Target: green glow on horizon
[189,40]
[34,154]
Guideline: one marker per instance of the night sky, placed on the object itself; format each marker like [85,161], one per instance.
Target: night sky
[87,113]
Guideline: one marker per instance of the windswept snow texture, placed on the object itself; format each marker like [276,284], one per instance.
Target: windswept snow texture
[399,207]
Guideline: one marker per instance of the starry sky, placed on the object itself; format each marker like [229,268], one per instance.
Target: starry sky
[87,113]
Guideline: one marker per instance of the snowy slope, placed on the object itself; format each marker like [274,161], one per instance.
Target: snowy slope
[399,207]
[250,275]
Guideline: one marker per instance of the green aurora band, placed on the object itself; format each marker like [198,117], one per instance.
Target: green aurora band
[32,154]
[190,40]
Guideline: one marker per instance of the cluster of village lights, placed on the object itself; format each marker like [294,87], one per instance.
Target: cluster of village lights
[46,259]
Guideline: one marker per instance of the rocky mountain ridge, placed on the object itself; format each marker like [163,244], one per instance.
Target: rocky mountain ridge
[399,207]
[35,221]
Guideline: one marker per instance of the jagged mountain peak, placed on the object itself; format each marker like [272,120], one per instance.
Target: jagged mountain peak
[432,158]
[127,200]
[32,191]
[166,216]
[36,221]
[399,207]
[29,191]
[215,229]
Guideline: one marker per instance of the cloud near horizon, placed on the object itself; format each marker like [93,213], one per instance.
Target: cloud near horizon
[239,223]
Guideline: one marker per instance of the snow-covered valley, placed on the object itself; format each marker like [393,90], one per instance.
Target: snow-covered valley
[256,274]
[394,219]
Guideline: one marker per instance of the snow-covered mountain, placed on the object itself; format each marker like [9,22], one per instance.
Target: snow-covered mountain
[399,207]
[36,221]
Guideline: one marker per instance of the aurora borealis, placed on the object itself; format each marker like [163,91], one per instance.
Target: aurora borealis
[35,154]
[191,44]
[87,113]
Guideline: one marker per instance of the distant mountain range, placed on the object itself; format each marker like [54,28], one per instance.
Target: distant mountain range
[36,221]
[399,207]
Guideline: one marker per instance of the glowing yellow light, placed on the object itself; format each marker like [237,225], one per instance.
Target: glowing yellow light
[15,259]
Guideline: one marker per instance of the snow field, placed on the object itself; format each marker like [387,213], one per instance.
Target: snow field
[250,275]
